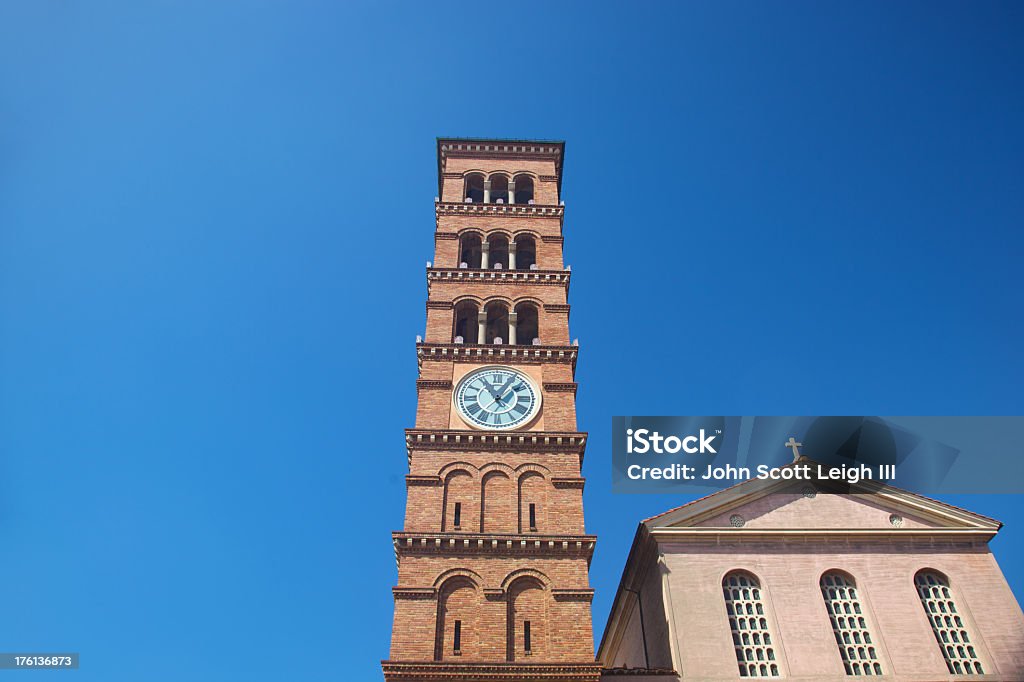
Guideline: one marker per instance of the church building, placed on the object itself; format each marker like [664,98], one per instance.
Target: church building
[493,560]
[771,580]
[761,580]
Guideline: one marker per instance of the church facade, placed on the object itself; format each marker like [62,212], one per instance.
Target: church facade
[772,581]
[493,558]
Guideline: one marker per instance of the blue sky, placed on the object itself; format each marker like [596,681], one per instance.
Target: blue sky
[214,219]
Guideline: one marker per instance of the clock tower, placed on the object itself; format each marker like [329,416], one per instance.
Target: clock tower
[493,559]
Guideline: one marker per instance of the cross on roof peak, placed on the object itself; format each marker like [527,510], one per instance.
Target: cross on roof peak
[793,444]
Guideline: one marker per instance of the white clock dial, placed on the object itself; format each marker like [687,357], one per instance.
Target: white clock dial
[497,398]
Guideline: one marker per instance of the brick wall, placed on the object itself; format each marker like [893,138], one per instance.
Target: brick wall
[532,478]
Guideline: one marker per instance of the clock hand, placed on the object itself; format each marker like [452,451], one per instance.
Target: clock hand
[490,389]
[505,386]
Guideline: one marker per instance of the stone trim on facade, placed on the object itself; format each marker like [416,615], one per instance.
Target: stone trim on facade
[933,537]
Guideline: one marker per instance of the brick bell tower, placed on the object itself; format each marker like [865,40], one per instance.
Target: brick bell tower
[493,560]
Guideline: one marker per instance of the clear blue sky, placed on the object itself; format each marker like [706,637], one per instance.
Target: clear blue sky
[214,219]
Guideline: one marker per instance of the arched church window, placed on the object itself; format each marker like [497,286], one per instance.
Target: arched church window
[742,593]
[936,597]
[840,594]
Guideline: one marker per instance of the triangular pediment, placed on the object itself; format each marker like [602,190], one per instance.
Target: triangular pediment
[783,505]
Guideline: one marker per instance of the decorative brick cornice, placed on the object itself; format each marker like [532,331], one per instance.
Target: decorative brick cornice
[429,671]
[452,208]
[439,305]
[456,147]
[446,235]
[586,595]
[489,543]
[462,352]
[414,592]
[473,275]
[521,210]
[422,480]
[551,239]
[495,441]
[433,383]
[556,307]
[556,387]
[548,178]
[562,482]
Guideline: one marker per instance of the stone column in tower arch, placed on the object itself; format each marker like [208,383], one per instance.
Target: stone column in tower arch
[485,253]
[511,192]
[512,252]
[481,326]
[487,191]
[513,320]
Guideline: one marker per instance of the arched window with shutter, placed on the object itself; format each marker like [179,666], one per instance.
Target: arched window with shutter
[752,637]
[857,647]
[955,641]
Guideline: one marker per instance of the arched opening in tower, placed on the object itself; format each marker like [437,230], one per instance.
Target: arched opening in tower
[475,188]
[466,326]
[470,250]
[526,252]
[524,189]
[497,322]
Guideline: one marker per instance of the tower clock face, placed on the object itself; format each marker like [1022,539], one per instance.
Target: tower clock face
[497,398]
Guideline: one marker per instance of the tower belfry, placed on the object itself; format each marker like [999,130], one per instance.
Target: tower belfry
[493,560]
